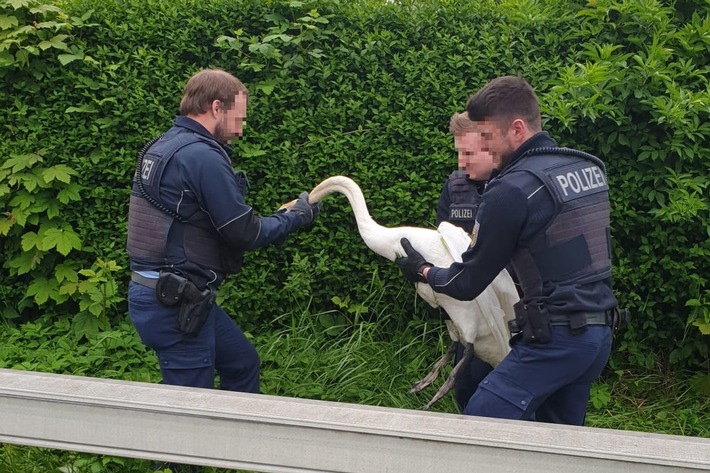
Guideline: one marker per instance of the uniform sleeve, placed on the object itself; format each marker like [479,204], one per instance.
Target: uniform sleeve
[218,194]
[501,217]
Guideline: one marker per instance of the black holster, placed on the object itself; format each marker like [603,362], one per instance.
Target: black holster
[195,305]
[531,323]
[195,309]
[619,317]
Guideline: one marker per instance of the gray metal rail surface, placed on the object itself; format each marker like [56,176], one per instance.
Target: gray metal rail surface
[277,434]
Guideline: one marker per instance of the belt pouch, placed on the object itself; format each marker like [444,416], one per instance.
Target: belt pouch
[170,288]
[534,322]
[618,317]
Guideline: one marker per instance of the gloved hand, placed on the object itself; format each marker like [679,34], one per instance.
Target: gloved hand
[412,263]
[306,211]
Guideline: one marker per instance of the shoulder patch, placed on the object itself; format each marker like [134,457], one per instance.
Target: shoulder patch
[146,168]
[474,234]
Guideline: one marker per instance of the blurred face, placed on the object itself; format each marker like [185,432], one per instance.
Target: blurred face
[231,120]
[497,139]
[473,159]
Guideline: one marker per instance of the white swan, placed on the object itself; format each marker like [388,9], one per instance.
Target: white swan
[480,324]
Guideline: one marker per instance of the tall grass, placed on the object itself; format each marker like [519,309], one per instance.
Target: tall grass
[366,353]
[370,361]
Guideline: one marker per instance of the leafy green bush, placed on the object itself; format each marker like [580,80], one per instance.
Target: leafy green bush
[363,362]
[364,89]
[37,187]
[639,97]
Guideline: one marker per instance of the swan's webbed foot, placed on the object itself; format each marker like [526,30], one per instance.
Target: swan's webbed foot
[434,373]
[449,383]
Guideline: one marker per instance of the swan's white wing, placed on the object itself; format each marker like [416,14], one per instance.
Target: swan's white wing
[455,239]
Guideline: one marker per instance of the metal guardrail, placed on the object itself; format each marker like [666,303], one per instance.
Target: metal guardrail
[277,434]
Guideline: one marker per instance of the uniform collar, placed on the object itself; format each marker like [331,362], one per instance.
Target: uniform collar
[480,184]
[185,122]
[540,139]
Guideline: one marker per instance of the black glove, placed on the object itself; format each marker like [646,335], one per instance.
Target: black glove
[412,263]
[306,212]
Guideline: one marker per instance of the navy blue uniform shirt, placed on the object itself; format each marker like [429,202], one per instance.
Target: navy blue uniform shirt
[199,177]
[200,185]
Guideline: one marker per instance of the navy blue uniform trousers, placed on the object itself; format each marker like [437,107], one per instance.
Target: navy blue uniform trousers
[549,382]
[192,361]
[469,378]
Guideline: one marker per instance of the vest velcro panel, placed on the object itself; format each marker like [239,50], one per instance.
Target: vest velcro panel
[148,231]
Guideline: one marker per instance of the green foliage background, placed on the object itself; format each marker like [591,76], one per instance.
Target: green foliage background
[362,88]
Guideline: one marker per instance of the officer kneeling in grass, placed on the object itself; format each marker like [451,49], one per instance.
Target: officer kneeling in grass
[547,213]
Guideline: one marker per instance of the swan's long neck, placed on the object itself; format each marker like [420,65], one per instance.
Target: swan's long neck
[371,232]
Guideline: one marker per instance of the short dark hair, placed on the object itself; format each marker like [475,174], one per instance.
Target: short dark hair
[505,99]
[205,87]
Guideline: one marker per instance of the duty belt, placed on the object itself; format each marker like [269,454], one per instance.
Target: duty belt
[593,318]
[144,281]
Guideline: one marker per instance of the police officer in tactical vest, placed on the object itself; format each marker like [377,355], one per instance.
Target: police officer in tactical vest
[188,228]
[547,212]
[458,204]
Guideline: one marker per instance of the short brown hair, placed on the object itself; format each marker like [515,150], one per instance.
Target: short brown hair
[205,87]
[505,99]
[460,123]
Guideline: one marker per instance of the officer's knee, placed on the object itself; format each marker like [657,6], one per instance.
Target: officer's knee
[501,398]
[187,368]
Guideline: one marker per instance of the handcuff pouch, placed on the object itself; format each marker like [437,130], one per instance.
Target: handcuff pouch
[170,288]
[533,320]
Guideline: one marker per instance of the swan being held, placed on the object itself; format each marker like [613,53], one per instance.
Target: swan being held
[480,325]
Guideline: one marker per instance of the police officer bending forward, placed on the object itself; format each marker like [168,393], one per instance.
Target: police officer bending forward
[189,227]
[547,212]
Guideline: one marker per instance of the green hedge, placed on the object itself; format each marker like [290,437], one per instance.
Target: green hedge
[361,88]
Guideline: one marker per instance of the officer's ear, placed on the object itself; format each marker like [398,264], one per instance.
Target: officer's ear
[520,130]
[216,107]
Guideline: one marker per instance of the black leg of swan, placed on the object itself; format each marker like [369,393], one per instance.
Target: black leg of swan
[428,379]
[467,353]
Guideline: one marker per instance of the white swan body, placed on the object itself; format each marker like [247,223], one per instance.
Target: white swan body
[482,321]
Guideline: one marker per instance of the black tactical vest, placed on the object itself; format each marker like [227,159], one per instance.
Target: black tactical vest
[158,237]
[575,246]
[464,200]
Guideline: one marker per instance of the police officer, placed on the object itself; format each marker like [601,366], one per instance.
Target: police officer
[188,228]
[458,204]
[547,212]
